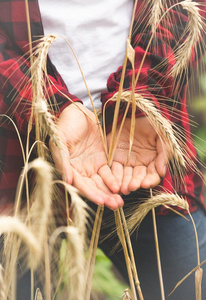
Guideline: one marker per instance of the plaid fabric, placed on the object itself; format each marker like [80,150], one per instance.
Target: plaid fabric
[154,83]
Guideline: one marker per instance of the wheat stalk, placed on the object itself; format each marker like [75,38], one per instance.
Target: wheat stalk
[2,284]
[159,265]
[198,282]
[76,264]
[92,250]
[121,235]
[78,206]
[133,264]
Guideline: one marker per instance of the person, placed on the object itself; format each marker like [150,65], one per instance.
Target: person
[85,164]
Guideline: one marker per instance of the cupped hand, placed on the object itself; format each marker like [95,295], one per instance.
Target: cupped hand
[147,162]
[82,161]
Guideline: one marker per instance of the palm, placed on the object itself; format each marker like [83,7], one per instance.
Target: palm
[83,160]
[146,163]
[87,154]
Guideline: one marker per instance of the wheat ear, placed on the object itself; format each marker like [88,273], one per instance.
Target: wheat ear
[38,295]
[41,207]
[157,200]
[156,11]
[45,119]
[126,295]
[194,28]
[15,226]
[161,125]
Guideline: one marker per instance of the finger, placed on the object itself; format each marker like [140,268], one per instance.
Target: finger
[161,160]
[114,201]
[127,177]
[88,188]
[152,178]
[139,173]
[100,184]
[109,179]
[117,171]
[62,162]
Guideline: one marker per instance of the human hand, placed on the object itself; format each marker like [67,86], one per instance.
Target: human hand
[82,160]
[147,162]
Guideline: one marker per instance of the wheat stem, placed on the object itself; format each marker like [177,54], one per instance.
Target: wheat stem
[134,269]
[157,251]
[93,249]
[196,239]
[120,233]
[47,270]
[198,283]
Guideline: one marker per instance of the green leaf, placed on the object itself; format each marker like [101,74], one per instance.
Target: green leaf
[104,281]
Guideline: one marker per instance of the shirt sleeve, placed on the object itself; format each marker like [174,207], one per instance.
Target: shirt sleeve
[16,86]
[156,81]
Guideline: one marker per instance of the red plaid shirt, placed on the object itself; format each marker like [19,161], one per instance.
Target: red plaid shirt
[15,100]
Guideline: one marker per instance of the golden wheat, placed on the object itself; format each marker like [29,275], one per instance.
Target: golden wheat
[161,199]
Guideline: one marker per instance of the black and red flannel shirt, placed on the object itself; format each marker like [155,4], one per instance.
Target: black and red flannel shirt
[15,99]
